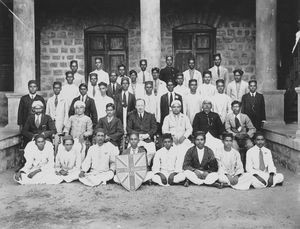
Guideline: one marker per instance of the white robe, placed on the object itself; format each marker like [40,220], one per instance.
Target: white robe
[229,162]
[102,76]
[69,92]
[37,159]
[221,105]
[101,162]
[192,105]
[69,161]
[207,91]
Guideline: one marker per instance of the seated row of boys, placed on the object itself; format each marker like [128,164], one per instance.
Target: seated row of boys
[177,161]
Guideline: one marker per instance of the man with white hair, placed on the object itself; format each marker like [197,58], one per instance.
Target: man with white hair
[38,123]
[39,166]
[143,123]
[179,126]
[79,126]
[99,165]
[208,121]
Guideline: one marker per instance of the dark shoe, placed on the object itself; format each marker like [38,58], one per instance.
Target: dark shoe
[148,182]
[186,183]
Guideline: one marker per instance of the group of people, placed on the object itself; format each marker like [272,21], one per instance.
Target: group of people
[185,123]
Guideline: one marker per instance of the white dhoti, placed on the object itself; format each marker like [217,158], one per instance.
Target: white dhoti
[168,178]
[209,179]
[148,177]
[72,176]
[244,181]
[95,178]
[277,179]
[81,147]
[43,177]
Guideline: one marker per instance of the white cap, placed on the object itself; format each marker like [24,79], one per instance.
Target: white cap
[176,102]
[37,103]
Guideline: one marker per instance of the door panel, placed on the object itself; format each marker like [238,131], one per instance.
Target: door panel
[111,47]
[199,44]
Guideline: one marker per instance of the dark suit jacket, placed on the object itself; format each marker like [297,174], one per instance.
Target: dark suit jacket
[208,163]
[214,126]
[164,105]
[90,109]
[119,107]
[47,127]
[114,129]
[168,73]
[145,126]
[110,93]
[25,109]
[254,108]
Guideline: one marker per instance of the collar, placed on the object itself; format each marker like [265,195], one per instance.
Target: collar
[253,93]
[32,95]
[200,150]
[238,115]
[141,114]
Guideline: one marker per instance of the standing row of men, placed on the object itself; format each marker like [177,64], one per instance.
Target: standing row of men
[141,106]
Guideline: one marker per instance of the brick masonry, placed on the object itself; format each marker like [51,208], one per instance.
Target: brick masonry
[62,39]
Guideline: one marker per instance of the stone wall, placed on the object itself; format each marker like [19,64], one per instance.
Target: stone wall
[62,38]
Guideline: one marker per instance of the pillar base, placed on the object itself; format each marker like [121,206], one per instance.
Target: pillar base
[13,100]
[274,103]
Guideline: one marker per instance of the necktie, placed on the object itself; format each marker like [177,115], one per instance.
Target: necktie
[124,100]
[218,71]
[114,89]
[56,101]
[208,121]
[262,166]
[37,121]
[32,97]
[237,123]
[82,98]
[191,74]
[155,87]
[171,99]
[143,77]
[94,91]
[141,118]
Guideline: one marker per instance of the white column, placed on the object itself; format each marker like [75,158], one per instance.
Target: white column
[24,56]
[151,32]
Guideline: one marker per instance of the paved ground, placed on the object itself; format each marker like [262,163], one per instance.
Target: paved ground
[77,206]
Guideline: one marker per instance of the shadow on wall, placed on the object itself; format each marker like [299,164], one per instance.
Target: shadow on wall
[3,110]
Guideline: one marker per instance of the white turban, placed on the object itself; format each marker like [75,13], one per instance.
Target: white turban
[207,101]
[176,102]
[37,104]
[79,104]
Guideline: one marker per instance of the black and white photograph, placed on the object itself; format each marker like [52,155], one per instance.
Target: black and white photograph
[124,114]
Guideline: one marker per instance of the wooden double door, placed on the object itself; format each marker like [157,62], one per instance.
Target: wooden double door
[111,47]
[198,44]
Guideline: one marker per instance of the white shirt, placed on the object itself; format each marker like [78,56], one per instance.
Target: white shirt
[78,79]
[137,89]
[59,114]
[200,153]
[232,90]
[192,105]
[160,86]
[197,75]
[68,160]
[90,90]
[37,159]
[252,160]
[102,76]
[38,117]
[181,90]
[100,103]
[69,92]
[229,162]
[100,158]
[221,105]
[177,125]
[125,109]
[152,105]
[166,161]
[207,91]
[148,77]
[223,74]
[32,96]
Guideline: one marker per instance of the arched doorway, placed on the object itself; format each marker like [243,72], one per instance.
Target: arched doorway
[194,40]
[108,42]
